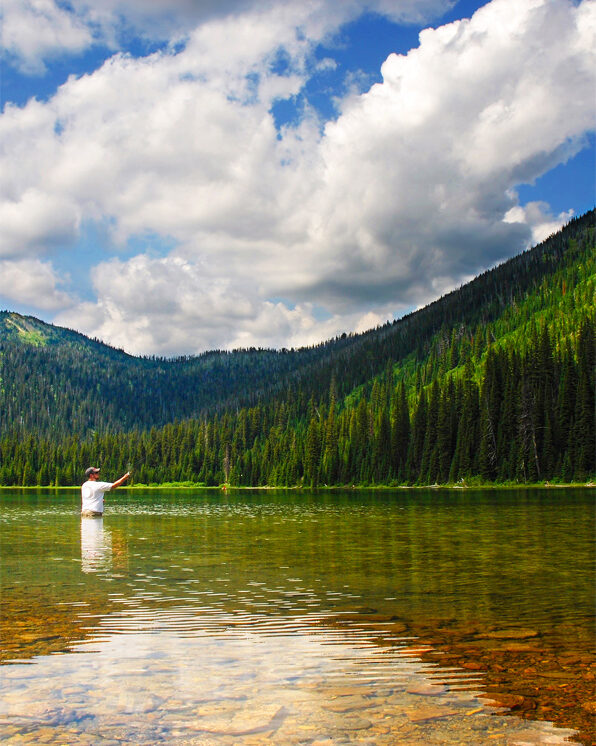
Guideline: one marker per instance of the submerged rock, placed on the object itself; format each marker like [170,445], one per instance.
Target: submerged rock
[355,723]
[510,701]
[427,713]
[426,689]
[510,634]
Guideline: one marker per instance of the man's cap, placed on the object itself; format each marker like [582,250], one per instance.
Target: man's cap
[91,470]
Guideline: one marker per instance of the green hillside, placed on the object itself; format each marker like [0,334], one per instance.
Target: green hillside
[58,381]
[493,382]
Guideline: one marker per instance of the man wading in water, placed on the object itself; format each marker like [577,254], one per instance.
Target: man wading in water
[92,492]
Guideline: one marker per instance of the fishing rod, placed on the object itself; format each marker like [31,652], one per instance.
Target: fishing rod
[132,467]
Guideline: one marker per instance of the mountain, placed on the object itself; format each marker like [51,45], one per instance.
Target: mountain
[58,381]
[494,380]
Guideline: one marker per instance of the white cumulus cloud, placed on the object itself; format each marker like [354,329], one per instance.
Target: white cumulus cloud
[407,193]
[539,217]
[32,283]
[35,30]
[170,305]
[418,171]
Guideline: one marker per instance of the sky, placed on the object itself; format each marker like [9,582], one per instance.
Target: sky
[186,175]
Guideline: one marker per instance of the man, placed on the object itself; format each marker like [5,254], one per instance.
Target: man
[93,490]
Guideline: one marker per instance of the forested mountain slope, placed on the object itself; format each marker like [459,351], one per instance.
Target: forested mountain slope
[494,380]
[57,381]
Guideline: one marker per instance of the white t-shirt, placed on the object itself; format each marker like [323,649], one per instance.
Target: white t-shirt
[92,494]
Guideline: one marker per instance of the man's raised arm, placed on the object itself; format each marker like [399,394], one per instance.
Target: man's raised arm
[120,481]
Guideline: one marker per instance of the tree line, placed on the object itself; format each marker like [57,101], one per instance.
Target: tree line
[528,417]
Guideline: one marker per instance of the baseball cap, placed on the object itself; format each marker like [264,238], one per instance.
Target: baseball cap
[91,470]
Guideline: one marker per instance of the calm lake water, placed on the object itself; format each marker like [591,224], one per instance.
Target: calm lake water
[415,617]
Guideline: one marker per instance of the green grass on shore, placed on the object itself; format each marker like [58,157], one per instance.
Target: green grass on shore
[474,485]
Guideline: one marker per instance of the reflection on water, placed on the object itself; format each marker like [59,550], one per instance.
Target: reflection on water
[268,617]
[212,678]
[96,545]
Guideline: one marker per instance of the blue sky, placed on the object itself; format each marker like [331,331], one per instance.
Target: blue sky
[181,175]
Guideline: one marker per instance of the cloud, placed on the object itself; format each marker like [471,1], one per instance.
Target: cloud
[38,219]
[406,194]
[170,306]
[33,283]
[418,171]
[539,217]
[35,30]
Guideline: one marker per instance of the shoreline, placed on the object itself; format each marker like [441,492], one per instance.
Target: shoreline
[184,486]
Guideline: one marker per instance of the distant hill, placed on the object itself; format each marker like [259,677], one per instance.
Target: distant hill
[57,380]
[313,404]
[27,331]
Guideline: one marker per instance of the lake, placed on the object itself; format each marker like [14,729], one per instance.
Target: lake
[255,617]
